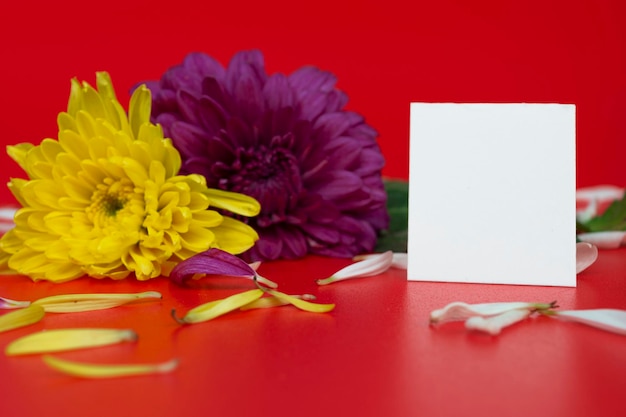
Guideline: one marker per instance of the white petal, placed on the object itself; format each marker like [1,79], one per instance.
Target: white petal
[588,212]
[400,260]
[586,254]
[603,240]
[7,213]
[6,218]
[7,303]
[457,310]
[611,320]
[494,324]
[600,193]
[372,265]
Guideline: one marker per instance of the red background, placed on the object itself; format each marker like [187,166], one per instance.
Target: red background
[385,54]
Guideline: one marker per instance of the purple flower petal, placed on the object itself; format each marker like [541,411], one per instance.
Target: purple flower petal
[278,93]
[188,105]
[188,138]
[334,185]
[211,262]
[327,234]
[247,64]
[212,115]
[268,247]
[294,245]
[203,65]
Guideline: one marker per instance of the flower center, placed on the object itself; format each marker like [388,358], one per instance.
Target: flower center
[269,174]
[111,204]
[108,199]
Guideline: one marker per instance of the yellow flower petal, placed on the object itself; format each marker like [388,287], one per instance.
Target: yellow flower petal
[234,202]
[139,108]
[218,308]
[234,236]
[302,304]
[90,370]
[68,339]
[269,302]
[71,303]
[20,318]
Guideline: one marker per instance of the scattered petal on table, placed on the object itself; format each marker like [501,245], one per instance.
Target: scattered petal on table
[20,318]
[586,254]
[72,303]
[373,265]
[611,320]
[399,261]
[600,193]
[6,303]
[271,301]
[213,309]
[457,311]
[302,304]
[215,262]
[587,213]
[91,370]
[6,218]
[68,339]
[494,324]
[604,240]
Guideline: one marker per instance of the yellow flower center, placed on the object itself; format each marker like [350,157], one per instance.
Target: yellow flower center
[108,199]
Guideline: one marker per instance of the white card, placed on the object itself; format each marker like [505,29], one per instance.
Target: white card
[492,193]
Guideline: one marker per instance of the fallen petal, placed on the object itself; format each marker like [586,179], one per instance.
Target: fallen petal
[91,370]
[271,301]
[68,339]
[211,262]
[400,259]
[213,309]
[6,303]
[586,254]
[72,303]
[600,193]
[215,262]
[494,324]
[603,240]
[20,318]
[7,215]
[588,213]
[302,304]
[457,310]
[373,265]
[611,320]
[262,280]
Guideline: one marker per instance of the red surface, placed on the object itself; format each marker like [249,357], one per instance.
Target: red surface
[374,355]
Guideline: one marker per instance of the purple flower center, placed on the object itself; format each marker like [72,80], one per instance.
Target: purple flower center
[268,173]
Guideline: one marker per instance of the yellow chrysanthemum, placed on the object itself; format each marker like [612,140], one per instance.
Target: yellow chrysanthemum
[105,199]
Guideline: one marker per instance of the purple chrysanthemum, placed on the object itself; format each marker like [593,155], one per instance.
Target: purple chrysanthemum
[284,140]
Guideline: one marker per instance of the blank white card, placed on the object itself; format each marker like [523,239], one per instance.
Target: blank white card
[492,193]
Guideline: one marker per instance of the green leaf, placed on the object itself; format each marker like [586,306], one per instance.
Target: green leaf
[395,238]
[614,218]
